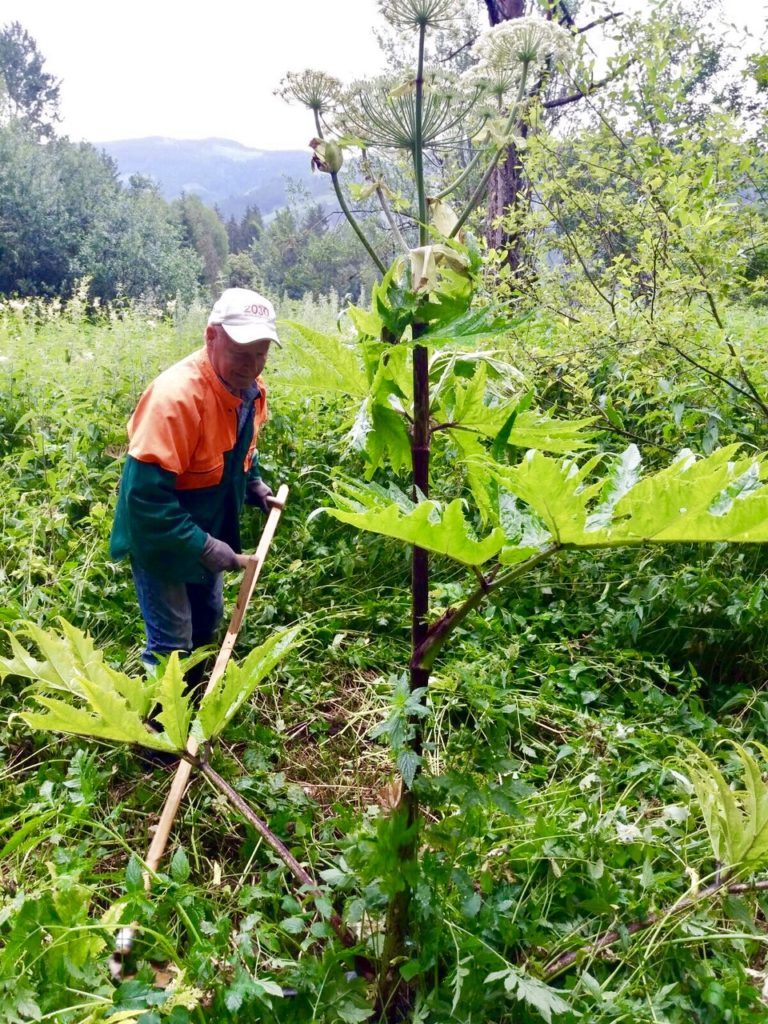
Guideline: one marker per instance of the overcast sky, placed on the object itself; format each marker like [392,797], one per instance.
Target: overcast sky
[189,71]
[192,71]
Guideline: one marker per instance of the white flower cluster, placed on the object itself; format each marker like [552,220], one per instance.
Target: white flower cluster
[526,41]
[382,111]
[418,13]
[314,89]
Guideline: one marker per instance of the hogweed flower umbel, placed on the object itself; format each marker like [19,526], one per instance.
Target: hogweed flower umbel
[419,13]
[313,89]
[382,111]
[495,85]
[522,41]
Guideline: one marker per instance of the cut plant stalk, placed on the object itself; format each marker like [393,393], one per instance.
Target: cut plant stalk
[125,936]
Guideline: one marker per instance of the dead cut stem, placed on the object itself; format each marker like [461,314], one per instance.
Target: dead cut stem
[285,855]
[608,938]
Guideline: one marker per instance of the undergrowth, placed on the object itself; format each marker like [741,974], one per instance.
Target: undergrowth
[556,786]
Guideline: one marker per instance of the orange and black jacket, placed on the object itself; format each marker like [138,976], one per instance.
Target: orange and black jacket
[186,471]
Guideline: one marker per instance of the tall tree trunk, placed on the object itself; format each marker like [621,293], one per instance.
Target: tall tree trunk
[507,196]
[506,188]
[504,10]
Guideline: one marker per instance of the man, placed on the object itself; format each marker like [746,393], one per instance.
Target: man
[191,463]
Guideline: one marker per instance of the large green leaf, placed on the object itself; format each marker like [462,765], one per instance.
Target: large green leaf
[61,665]
[445,531]
[138,692]
[69,658]
[390,399]
[471,327]
[718,498]
[393,302]
[480,482]
[533,429]
[92,698]
[321,364]
[25,666]
[471,405]
[736,819]
[114,722]
[219,706]
[387,438]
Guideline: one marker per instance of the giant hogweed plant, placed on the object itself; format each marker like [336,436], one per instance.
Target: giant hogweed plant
[427,373]
[79,694]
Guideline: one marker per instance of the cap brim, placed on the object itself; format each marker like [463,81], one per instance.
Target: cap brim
[244,334]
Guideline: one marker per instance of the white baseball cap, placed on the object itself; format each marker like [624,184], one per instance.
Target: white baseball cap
[246,316]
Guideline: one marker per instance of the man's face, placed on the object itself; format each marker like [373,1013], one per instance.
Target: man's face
[237,365]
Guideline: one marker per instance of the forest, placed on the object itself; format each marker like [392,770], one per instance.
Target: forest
[492,745]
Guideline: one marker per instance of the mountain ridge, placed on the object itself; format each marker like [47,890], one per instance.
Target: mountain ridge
[222,172]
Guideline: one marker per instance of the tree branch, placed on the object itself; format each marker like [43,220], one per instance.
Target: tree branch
[561,101]
[718,376]
[600,21]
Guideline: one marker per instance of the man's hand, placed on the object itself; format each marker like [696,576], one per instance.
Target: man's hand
[257,493]
[217,556]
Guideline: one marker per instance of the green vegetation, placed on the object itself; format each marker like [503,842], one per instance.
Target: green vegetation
[504,707]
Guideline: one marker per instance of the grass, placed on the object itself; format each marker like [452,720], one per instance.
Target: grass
[555,793]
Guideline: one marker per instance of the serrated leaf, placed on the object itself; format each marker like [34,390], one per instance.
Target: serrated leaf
[324,907]
[481,483]
[533,429]
[62,663]
[736,820]
[540,996]
[219,706]
[321,364]
[469,408]
[76,670]
[176,712]
[388,438]
[350,1013]
[63,717]
[113,710]
[293,925]
[179,865]
[427,525]
[365,321]
[467,327]
[531,991]
[394,302]
[408,762]
[692,501]
[22,664]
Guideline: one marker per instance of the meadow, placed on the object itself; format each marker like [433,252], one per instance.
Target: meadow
[567,865]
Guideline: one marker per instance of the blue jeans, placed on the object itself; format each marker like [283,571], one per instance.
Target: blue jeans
[177,616]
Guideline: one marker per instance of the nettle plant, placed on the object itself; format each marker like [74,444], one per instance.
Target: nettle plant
[428,376]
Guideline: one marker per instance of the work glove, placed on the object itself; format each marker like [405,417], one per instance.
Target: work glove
[257,493]
[217,555]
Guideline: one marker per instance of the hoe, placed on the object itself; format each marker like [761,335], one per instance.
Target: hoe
[125,936]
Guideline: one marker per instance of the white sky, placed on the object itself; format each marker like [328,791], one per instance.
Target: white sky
[190,71]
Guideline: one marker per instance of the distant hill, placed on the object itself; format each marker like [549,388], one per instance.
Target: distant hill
[221,172]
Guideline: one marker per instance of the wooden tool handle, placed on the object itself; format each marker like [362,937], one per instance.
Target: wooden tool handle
[181,778]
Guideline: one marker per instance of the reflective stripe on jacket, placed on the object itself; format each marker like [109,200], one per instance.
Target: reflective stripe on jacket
[186,470]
